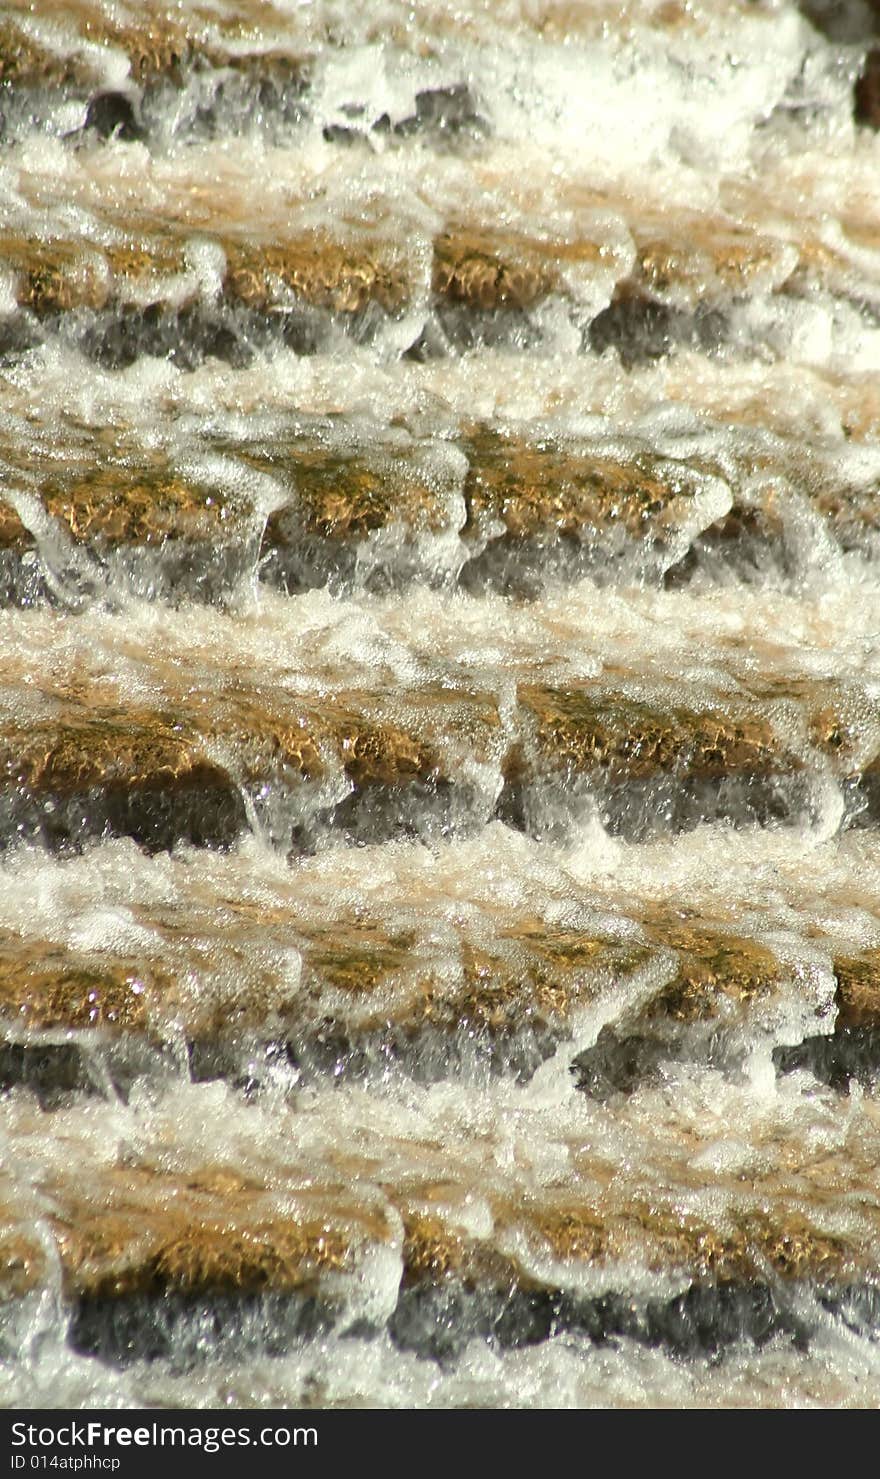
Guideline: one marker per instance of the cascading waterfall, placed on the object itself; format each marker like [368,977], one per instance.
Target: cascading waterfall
[439,703]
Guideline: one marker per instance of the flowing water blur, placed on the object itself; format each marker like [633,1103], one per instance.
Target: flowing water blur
[486,628]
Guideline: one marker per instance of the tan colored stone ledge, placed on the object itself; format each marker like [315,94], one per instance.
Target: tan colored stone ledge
[138,1229]
[24,62]
[553,489]
[45,986]
[706,260]
[490,270]
[215,974]
[743,1246]
[858,989]
[479,270]
[541,491]
[716,971]
[590,728]
[315,270]
[159,44]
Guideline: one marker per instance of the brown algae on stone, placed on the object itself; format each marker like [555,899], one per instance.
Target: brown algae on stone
[348,496]
[858,989]
[314,270]
[145,505]
[546,489]
[57,276]
[591,728]
[99,747]
[45,986]
[138,1229]
[492,270]
[715,970]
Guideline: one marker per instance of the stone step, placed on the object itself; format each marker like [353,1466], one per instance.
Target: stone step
[352,504]
[138,1248]
[785,501]
[189,295]
[525,512]
[267,977]
[166,1251]
[151,75]
[722,982]
[161,295]
[369,765]
[102,71]
[243,269]
[207,751]
[852,1051]
[646,768]
[114,74]
[186,293]
[243,992]
[104,512]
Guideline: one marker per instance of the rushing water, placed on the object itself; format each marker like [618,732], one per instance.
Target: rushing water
[439,704]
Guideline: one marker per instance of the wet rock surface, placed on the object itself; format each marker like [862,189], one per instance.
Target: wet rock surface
[439,726]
